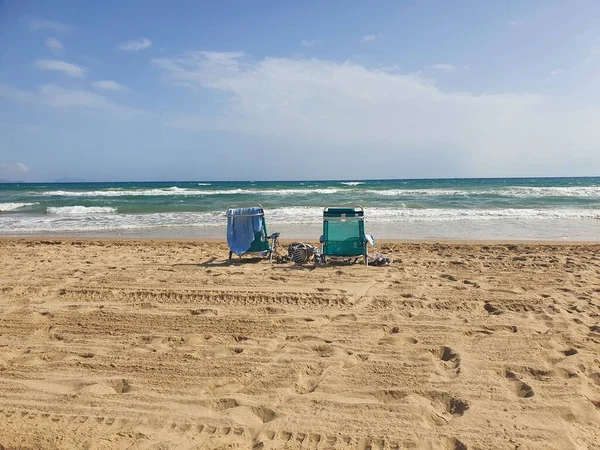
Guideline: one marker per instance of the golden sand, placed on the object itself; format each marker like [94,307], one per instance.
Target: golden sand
[108,344]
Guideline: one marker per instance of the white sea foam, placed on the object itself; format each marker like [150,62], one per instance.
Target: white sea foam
[447,215]
[174,190]
[510,191]
[422,192]
[104,219]
[383,215]
[555,191]
[15,206]
[81,210]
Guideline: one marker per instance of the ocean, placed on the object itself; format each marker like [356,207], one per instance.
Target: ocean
[444,209]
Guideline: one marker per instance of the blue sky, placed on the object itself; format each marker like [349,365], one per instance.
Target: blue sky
[187,90]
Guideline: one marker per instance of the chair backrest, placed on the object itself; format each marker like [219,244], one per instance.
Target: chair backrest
[255,215]
[343,231]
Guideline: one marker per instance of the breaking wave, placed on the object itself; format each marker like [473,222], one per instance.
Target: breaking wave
[81,210]
[15,206]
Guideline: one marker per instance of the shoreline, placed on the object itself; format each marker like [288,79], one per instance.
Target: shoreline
[148,240]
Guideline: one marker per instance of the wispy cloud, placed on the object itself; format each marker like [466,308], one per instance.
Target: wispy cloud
[54,44]
[553,74]
[13,170]
[135,45]
[197,68]
[514,23]
[69,69]
[107,85]
[49,25]
[348,105]
[444,67]
[371,37]
[309,42]
[58,97]
[17,167]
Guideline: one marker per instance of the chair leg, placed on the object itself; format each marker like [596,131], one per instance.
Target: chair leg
[230,255]
[271,256]
[366,260]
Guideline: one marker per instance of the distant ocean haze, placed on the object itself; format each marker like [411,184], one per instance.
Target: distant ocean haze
[504,208]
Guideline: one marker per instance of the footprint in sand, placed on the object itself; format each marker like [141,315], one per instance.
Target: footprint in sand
[595,378]
[520,388]
[108,387]
[436,408]
[446,407]
[455,444]
[308,380]
[493,310]
[264,413]
[448,361]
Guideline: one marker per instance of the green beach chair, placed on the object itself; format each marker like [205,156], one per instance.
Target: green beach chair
[344,233]
[247,232]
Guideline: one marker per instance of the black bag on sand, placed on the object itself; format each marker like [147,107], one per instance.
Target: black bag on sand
[379,260]
[301,253]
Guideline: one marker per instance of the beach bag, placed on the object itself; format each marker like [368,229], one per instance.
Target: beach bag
[302,253]
[379,260]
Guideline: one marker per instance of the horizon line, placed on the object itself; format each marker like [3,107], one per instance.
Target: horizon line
[299,181]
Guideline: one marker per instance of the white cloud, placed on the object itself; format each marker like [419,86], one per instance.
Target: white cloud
[444,67]
[208,64]
[107,85]
[397,117]
[58,97]
[135,45]
[54,44]
[15,167]
[22,167]
[514,23]
[69,69]
[553,73]
[13,170]
[49,25]
[371,37]
[309,42]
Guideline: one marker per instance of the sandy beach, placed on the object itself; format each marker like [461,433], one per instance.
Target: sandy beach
[148,344]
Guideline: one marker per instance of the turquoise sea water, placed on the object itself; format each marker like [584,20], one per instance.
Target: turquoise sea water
[503,208]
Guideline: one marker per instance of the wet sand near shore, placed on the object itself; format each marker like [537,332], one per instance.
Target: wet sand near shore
[147,344]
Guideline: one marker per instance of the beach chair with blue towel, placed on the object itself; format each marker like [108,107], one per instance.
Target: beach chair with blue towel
[344,233]
[247,232]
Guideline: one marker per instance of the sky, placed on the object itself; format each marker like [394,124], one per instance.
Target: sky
[276,90]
